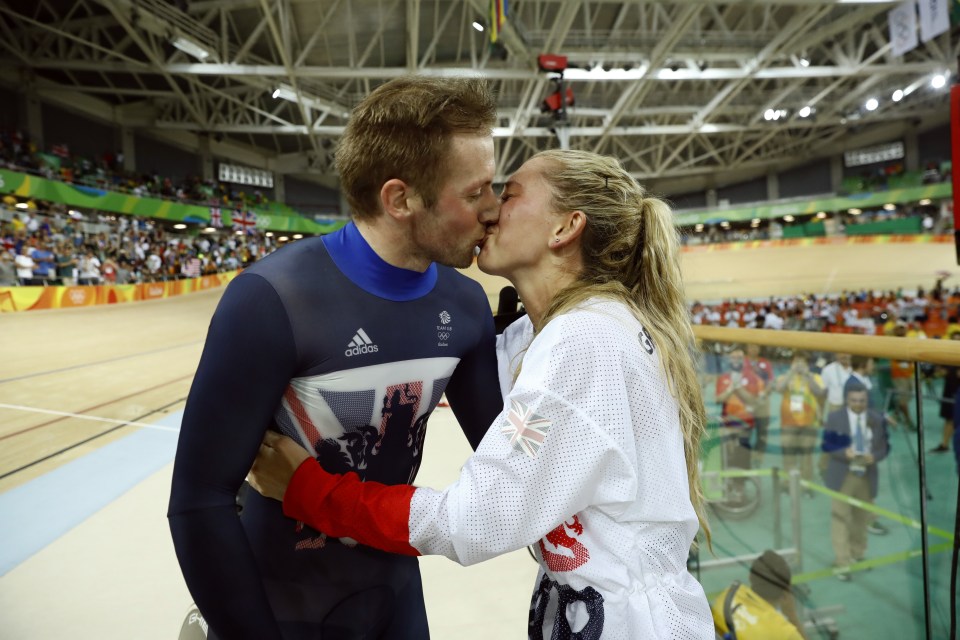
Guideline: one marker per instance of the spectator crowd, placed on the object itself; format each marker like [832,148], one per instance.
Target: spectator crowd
[45,243]
[864,312]
[19,153]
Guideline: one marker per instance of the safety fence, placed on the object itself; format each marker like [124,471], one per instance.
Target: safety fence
[867,528]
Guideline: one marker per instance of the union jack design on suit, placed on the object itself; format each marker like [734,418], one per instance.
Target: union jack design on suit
[525,429]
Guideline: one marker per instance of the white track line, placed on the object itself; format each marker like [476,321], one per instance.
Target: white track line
[80,416]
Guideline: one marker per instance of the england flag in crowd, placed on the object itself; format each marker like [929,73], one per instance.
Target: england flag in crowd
[216,220]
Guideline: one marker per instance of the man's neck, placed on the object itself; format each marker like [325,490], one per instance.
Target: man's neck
[392,246]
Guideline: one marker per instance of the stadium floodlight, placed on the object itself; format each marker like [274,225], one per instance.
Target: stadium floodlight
[897,95]
[478,26]
[871,104]
[938,81]
[804,112]
[190,48]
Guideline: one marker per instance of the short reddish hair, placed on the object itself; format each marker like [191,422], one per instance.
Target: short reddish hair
[402,130]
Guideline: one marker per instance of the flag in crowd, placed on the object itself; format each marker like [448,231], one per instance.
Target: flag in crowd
[191,268]
[216,220]
[498,13]
[246,220]
[61,150]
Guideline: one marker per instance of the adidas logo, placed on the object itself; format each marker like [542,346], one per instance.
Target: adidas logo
[360,344]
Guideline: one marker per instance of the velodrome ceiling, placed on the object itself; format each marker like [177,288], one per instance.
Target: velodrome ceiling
[677,89]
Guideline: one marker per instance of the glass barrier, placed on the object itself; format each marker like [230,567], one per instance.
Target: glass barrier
[823,469]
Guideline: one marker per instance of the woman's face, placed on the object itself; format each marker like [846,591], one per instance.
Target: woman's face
[519,242]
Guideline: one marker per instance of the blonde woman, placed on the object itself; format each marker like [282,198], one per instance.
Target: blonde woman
[593,459]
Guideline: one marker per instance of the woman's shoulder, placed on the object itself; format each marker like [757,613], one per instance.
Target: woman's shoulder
[596,316]
[597,324]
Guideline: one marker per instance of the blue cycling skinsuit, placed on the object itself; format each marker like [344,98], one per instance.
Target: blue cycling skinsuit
[324,342]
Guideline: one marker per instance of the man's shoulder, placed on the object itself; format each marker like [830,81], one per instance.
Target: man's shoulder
[451,281]
[301,256]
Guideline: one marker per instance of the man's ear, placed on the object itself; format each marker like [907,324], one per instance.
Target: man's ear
[395,198]
[569,229]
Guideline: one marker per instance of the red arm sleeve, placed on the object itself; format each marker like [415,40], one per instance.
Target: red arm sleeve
[342,506]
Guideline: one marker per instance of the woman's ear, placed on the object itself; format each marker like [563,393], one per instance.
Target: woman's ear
[569,230]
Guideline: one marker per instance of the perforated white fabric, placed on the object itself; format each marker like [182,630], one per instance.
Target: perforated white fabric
[585,463]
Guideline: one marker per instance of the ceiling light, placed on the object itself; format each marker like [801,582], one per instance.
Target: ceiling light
[179,225]
[190,47]
[938,81]
[804,62]
[725,224]
[924,202]
[755,222]
[238,232]
[286,92]
[897,95]
[769,114]
[698,228]
[871,104]
[297,236]
[269,234]
[788,218]
[22,205]
[889,207]
[821,215]
[284,238]
[478,26]
[804,112]
[854,211]
[209,230]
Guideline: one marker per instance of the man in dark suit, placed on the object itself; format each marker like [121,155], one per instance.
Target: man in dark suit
[854,440]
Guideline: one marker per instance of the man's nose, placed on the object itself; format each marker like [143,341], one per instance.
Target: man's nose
[490,212]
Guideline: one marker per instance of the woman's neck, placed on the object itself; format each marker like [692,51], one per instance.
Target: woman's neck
[537,292]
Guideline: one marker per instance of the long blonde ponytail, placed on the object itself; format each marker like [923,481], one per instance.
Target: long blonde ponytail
[631,252]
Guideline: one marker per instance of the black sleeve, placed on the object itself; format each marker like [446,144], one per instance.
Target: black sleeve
[247,362]
[474,388]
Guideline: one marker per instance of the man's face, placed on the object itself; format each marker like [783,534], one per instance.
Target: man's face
[844,359]
[857,401]
[449,231]
[736,359]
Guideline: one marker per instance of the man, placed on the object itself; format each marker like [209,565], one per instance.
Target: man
[800,416]
[855,440]
[834,377]
[737,392]
[861,369]
[345,343]
[765,610]
[763,368]
[902,373]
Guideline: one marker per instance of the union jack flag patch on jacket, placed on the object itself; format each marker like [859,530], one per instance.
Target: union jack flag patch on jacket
[525,429]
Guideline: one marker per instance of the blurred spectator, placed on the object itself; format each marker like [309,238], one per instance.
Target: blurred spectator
[8,271]
[66,264]
[951,384]
[45,260]
[834,377]
[737,392]
[861,370]
[764,610]
[854,441]
[763,368]
[89,268]
[800,413]
[25,265]
[772,320]
[902,372]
